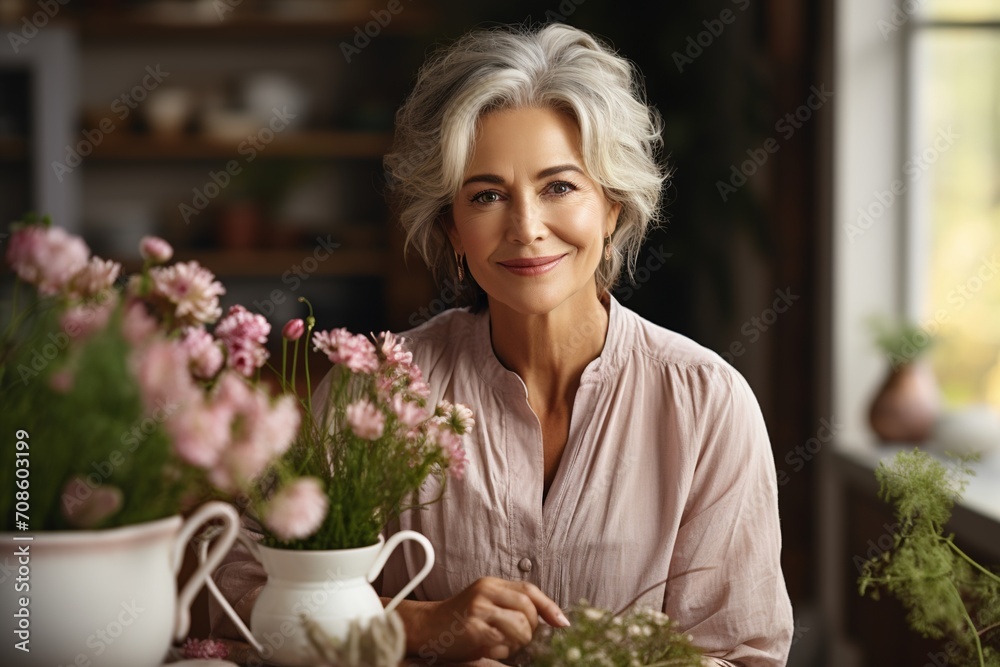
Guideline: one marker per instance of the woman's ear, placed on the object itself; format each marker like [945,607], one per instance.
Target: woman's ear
[614,211]
[447,221]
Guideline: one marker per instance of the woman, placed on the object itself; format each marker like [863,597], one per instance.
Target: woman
[611,459]
[609,454]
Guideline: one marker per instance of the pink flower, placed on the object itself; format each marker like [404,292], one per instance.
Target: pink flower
[155,250]
[84,319]
[62,381]
[191,290]
[293,330]
[297,510]
[85,506]
[456,416]
[205,649]
[365,419]
[260,431]
[137,325]
[97,276]
[408,412]
[204,354]
[161,369]
[200,432]
[452,446]
[47,257]
[244,334]
[342,347]
[391,349]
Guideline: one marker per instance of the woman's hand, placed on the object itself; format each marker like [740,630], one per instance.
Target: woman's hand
[492,618]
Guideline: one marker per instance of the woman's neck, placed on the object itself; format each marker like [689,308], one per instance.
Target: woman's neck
[550,351]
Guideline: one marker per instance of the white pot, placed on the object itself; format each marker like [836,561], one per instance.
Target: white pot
[331,587]
[103,597]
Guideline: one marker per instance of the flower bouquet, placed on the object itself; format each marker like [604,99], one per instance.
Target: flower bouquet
[139,411]
[368,443]
[125,413]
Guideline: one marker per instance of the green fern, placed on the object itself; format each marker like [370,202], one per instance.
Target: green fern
[945,592]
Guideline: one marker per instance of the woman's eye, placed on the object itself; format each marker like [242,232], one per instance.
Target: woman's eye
[562,188]
[486,197]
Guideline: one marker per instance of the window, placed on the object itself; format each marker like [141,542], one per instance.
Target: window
[952,175]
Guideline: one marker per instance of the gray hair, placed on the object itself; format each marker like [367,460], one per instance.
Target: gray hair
[555,66]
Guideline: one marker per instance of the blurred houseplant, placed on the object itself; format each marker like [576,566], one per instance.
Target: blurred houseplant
[907,404]
[946,593]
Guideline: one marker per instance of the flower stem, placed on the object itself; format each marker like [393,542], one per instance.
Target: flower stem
[968,621]
[971,562]
[284,363]
[295,366]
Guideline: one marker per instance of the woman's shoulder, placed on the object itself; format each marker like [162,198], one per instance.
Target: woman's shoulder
[445,326]
[671,348]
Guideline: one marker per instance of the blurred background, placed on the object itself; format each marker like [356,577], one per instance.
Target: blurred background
[834,161]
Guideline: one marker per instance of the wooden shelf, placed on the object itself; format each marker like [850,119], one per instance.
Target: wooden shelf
[328,144]
[247,25]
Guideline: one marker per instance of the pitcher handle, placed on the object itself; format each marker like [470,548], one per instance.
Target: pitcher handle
[387,550]
[230,529]
[203,556]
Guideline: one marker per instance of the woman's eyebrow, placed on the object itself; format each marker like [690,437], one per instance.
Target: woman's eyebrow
[544,173]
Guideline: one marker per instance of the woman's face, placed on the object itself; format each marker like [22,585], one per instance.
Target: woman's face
[528,218]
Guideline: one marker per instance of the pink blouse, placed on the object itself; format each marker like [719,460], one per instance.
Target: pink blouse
[667,475]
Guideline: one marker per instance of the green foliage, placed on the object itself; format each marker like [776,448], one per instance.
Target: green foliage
[901,341]
[947,594]
[97,428]
[598,638]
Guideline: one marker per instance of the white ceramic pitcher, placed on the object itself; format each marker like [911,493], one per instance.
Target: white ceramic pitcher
[331,587]
[103,597]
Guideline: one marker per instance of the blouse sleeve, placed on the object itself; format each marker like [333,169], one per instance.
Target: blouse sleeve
[725,580]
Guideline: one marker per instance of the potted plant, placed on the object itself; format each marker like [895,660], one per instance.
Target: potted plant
[122,413]
[368,442]
[907,404]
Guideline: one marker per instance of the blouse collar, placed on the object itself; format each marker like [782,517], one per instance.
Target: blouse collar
[607,364]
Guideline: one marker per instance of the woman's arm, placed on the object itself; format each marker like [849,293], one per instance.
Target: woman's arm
[726,580]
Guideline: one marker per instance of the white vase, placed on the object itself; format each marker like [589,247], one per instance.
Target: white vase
[330,587]
[103,597]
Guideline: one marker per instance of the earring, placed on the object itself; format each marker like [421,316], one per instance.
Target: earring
[461,271]
[607,248]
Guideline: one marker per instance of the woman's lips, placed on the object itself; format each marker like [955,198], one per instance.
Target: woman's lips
[532,266]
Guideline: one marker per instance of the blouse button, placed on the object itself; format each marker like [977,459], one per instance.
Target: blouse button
[524,565]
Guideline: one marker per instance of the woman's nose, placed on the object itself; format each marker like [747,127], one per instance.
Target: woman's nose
[525,222]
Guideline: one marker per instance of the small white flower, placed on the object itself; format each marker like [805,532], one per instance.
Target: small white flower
[573,654]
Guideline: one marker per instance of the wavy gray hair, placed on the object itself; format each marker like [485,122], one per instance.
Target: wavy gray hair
[555,66]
